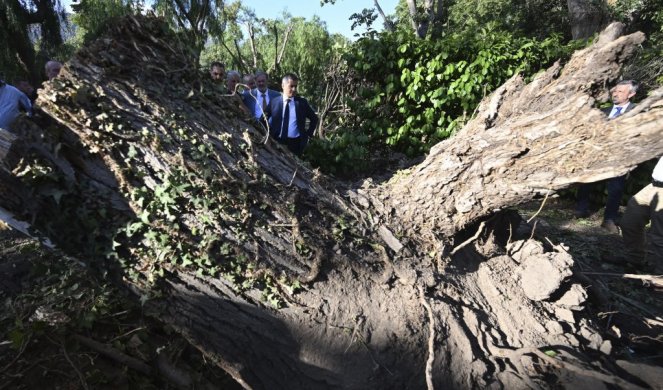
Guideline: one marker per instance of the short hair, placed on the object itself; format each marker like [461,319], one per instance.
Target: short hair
[52,69]
[261,73]
[233,74]
[631,83]
[289,77]
[217,64]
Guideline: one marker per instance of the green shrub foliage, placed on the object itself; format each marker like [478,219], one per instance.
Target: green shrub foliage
[413,93]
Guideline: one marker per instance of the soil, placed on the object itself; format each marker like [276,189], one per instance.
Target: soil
[62,328]
[44,314]
[630,311]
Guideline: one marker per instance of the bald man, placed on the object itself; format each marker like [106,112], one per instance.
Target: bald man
[52,69]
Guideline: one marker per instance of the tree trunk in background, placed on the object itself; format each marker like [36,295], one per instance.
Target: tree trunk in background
[208,221]
[429,19]
[586,17]
[388,25]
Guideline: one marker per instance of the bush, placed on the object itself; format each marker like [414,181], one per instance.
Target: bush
[413,93]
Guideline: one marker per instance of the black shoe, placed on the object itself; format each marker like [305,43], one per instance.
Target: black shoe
[610,226]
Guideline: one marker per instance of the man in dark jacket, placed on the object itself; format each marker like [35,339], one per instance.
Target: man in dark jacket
[621,95]
[288,114]
[257,100]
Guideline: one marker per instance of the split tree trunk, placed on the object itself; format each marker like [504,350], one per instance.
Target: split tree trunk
[208,221]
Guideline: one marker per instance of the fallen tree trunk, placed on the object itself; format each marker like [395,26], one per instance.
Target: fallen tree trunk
[529,140]
[288,279]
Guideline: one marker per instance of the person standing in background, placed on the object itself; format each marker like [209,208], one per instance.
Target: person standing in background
[52,69]
[257,100]
[288,114]
[621,95]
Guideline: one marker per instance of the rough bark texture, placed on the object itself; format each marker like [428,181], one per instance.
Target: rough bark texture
[526,141]
[135,155]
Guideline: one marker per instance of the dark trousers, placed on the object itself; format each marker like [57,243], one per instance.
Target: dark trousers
[615,187]
[295,145]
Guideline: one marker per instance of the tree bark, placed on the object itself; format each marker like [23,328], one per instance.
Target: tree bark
[209,221]
[586,18]
[388,25]
[524,143]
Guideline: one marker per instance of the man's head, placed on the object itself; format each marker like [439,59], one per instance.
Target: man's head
[261,81]
[250,81]
[52,69]
[289,85]
[232,80]
[217,71]
[623,92]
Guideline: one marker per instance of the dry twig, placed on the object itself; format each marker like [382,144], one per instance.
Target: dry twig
[431,339]
[81,378]
[469,240]
[540,207]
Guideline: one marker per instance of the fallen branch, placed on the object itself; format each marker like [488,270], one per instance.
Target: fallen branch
[469,240]
[114,354]
[655,280]
[431,340]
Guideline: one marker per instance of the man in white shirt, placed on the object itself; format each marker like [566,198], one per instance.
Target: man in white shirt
[621,95]
[12,101]
[257,100]
[643,207]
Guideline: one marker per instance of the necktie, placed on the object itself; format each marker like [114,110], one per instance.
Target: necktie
[618,112]
[286,119]
[264,103]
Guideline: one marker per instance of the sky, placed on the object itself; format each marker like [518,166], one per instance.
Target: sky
[335,15]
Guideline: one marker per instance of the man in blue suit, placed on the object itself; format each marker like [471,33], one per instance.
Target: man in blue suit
[621,95]
[257,100]
[288,114]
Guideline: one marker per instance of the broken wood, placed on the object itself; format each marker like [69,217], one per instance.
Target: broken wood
[180,196]
[654,280]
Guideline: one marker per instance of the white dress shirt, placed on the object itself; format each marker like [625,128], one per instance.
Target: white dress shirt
[658,171]
[613,112]
[293,131]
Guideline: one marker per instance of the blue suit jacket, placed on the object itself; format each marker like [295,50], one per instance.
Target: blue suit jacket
[303,110]
[608,110]
[250,98]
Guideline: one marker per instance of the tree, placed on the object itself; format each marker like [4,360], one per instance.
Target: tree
[586,17]
[426,17]
[277,46]
[196,19]
[18,56]
[378,286]
[93,17]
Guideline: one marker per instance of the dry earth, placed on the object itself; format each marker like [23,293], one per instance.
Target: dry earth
[50,301]
[630,311]
[63,328]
